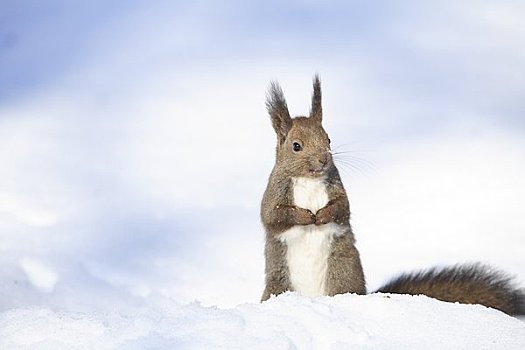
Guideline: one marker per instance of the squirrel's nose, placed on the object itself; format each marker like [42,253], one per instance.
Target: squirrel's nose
[319,164]
[323,159]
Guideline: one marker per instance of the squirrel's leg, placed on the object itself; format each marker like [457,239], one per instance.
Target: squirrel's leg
[345,273]
[282,217]
[277,273]
[336,210]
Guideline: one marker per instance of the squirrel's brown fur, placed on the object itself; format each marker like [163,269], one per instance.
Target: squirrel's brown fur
[466,284]
[278,211]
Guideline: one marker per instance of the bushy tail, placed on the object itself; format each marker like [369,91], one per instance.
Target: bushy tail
[467,284]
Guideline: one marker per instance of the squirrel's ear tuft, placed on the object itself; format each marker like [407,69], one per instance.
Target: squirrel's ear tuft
[317,110]
[278,110]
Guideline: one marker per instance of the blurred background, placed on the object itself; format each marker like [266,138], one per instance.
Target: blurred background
[135,145]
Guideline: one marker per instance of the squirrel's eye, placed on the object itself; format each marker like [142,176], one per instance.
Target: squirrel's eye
[297,147]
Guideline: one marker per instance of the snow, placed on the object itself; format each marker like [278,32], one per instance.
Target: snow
[289,321]
[41,276]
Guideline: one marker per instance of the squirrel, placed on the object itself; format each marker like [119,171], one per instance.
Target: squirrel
[310,247]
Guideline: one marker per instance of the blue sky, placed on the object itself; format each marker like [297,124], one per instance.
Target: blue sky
[134,144]
[458,58]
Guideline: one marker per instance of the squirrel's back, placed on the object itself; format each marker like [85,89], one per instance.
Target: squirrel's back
[467,284]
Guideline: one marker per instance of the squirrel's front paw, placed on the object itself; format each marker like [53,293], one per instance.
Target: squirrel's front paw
[304,216]
[323,216]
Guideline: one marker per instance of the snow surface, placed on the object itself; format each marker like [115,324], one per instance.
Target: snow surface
[289,321]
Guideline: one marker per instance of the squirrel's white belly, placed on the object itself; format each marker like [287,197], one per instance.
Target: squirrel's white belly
[308,247]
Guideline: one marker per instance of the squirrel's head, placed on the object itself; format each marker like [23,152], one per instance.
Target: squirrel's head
[303,146]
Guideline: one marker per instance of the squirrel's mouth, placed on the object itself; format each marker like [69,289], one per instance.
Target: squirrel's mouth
[318,171]
[318,167]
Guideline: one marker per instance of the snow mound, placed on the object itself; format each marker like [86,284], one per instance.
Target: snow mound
[378,321]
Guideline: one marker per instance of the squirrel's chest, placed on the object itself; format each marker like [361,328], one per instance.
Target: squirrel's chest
[309,246]
[309,193]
